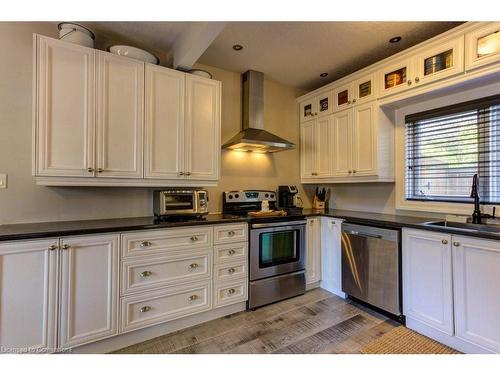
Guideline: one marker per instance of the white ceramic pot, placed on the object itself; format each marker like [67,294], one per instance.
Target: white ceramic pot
[134,53]
[74,33]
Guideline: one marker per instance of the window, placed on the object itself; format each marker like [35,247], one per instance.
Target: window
[447,146]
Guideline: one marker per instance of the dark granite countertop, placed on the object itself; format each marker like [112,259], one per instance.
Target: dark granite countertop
[10,232]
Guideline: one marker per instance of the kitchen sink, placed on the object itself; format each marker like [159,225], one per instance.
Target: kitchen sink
[466,227]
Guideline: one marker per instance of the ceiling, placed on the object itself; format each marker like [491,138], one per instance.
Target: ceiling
[293,53]
[296,53]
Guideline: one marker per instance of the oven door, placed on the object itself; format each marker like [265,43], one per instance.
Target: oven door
[276,248]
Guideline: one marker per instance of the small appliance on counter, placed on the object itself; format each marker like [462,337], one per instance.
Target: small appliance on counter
[289,200]
[182,202]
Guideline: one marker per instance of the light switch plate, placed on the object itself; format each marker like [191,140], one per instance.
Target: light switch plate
[3,181]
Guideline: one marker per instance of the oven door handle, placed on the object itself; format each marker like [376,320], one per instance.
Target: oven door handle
[279,224]
[361,234]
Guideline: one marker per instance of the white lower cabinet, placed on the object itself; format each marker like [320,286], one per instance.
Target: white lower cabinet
[313,251]
[476,275]
[331,255]
[450,289]
[89,289]
[28,291]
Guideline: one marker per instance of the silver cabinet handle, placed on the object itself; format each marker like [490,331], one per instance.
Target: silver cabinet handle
[409,82]
[193,297]
[145,309]
[145,244]
[194,238]
[65,246]
[231,252]
[231,271]
[52,247]
[417,80]
[231,291]
[90,170]
[145,273]
[193,266]
[444,242]
[231,233]
[456,244]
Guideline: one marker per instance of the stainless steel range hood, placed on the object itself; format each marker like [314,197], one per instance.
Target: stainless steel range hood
[253,137]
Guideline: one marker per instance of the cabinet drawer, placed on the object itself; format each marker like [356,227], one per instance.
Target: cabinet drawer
[161,241]
[230,271]
[230,252]
[230,233]
[151,273]
[164,305]
[229,293]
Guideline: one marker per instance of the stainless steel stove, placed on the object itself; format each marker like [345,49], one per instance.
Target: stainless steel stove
[276,248]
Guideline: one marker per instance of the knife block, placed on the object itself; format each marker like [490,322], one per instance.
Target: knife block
[317,204]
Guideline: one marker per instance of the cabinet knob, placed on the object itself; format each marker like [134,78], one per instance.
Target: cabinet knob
[188,173]
[145,244]
[231,291]
[354,101]
[353,171]
[100,170]
[409,82]
[65,246]
[231,233]
[52,247]
[193,266]
[145,273]
[145,309]
[231,252]
[456,244]
[181,173]
[350,171]
[315,113]
[90,170]
[444,242]
[348,102]
[417,80]
[194,238]
[231,271]
[193,297]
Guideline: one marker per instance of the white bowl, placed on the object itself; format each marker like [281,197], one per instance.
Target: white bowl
[134,53]
[201,73]
[74,33]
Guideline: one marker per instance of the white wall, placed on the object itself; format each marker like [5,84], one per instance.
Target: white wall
[23,201]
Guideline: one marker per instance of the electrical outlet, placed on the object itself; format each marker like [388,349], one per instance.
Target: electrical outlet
[3,181]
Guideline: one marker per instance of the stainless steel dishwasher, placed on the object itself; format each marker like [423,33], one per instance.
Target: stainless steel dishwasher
[371,266]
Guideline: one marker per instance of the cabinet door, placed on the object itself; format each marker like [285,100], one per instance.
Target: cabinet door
[427,279]
[324,103]
[364,89]
[342,143]
[331,253]
[28,291]
[313,250]
[323,145]
[307,149]
[445,59]
[89,289]
[308,109]
[396,77]
[202,128]
[343,96]
[364,146]
[482,46]
[476,265]
[120,101]
[64,109]
[164,140]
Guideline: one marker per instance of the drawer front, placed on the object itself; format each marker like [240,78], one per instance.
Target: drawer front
[231,252]
[230,233]
[230,271]
[164,305]
[229,293]
[161,241]
[152,273]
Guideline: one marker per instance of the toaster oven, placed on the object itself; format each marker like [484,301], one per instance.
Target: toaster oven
[180,202]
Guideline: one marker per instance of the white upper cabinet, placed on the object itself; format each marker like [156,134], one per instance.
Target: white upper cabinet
[202,128]
[307,149]
[364,147]
[476,289]
[364,89]
[120,101]
[396,77]
[89,289]
[343,96]
[28,295]
[316,147]
[427,279]
[342,143]
[64,114]
[482,45]
[317,106]
[164,139]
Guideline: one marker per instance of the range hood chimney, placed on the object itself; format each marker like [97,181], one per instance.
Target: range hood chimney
[253,137]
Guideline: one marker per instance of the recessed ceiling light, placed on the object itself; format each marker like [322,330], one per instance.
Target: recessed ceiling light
[237,47]
[323,75]
[395,39]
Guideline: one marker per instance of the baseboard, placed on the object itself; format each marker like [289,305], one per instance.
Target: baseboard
[312,285]
[131,338]
[451,341]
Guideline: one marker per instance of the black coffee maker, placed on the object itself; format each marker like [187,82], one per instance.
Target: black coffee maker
[286,194]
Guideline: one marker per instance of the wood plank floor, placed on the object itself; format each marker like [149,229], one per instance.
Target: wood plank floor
[316,322]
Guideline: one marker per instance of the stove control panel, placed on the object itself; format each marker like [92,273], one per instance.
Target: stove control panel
[241,196]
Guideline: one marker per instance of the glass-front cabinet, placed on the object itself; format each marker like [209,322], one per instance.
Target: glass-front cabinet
[443,59]
[396,77]
[364,89]
[482,46]
[343,96]
[317,106]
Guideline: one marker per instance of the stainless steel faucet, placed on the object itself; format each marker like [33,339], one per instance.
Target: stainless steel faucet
[476,215]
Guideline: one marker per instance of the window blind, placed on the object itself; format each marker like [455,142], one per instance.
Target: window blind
[447,146]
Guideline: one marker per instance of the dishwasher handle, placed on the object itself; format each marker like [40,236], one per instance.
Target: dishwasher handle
[356,233]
